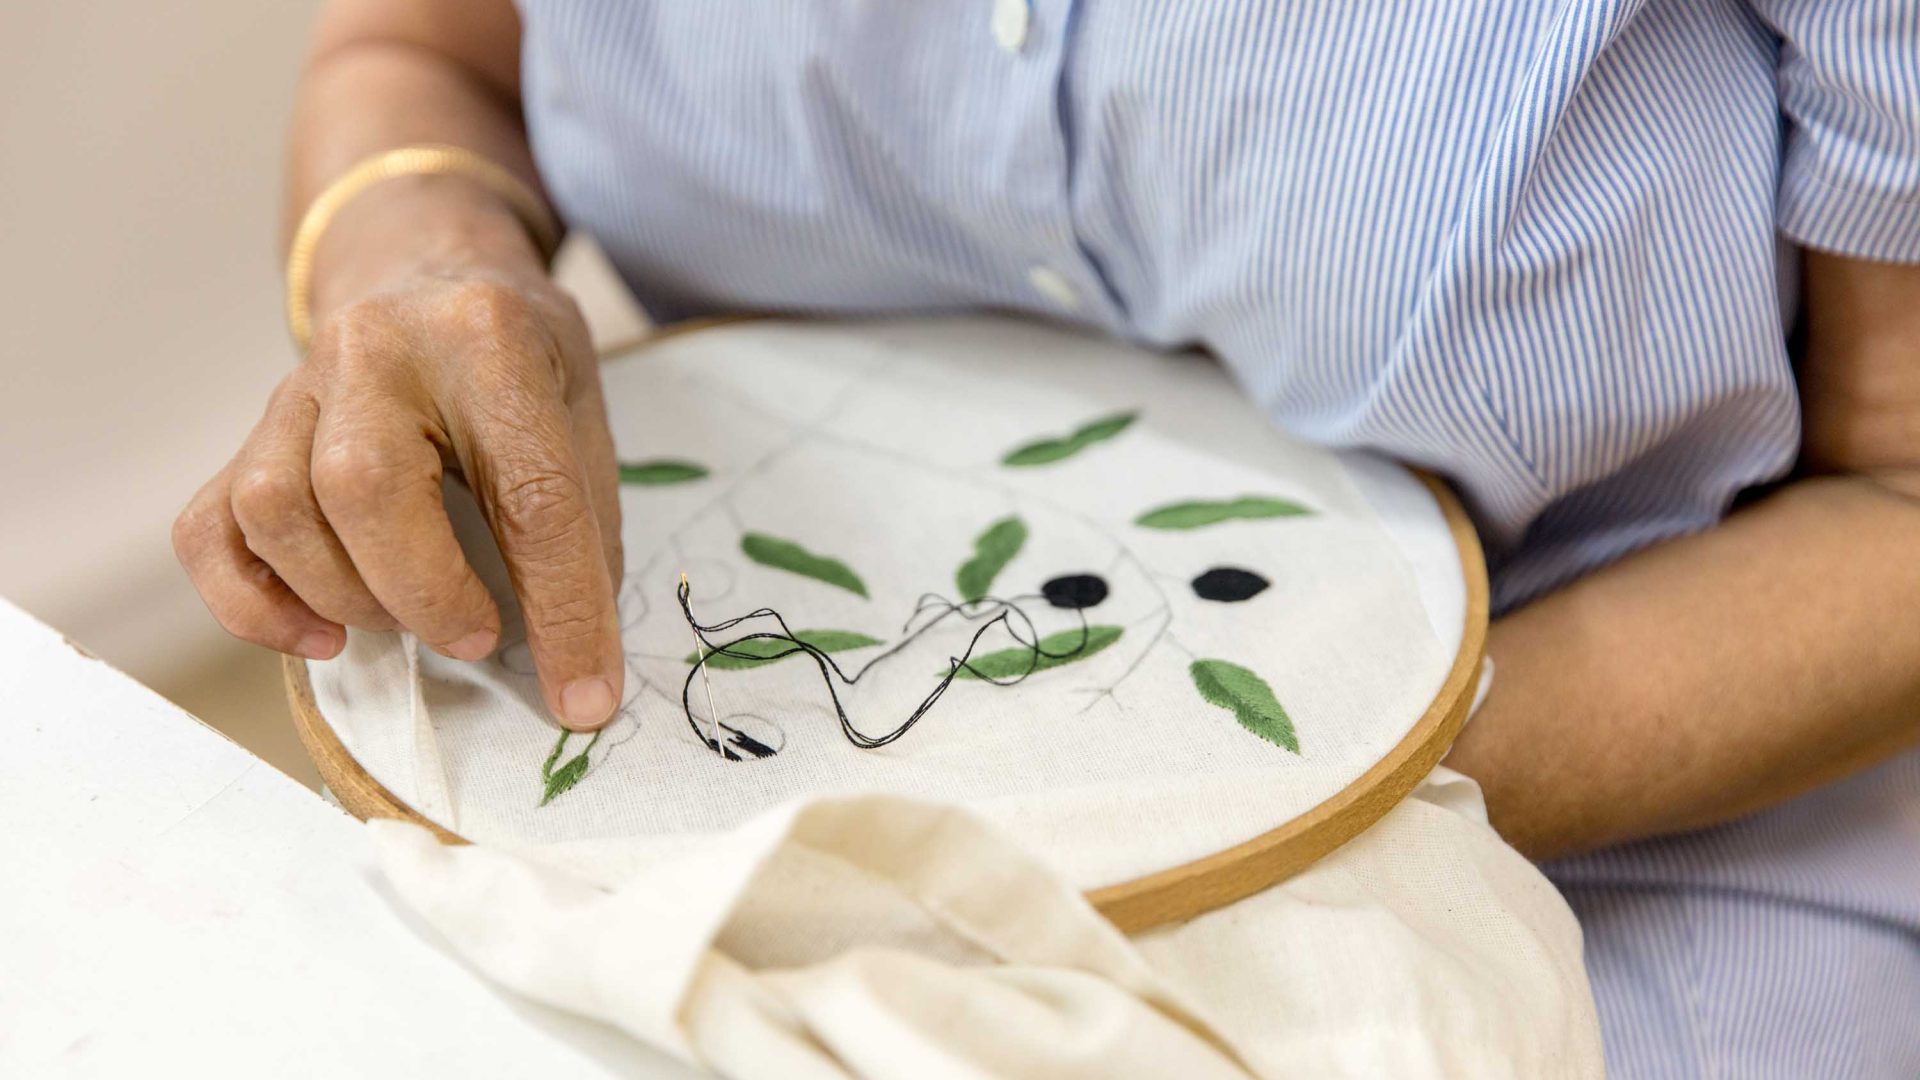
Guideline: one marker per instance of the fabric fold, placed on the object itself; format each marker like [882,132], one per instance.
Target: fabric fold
[879,936]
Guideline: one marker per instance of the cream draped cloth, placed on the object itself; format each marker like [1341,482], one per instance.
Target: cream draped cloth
[880,936]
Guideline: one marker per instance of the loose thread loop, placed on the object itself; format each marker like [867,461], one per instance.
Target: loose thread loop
[997,612]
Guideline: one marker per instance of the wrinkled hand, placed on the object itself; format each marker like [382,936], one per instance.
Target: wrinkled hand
[331,514]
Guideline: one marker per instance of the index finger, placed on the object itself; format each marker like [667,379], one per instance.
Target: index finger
[531,485]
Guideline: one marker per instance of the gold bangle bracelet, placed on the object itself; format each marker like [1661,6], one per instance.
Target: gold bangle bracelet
[387,165]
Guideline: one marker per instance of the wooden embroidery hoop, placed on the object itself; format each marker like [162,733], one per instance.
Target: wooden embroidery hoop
[1166,896]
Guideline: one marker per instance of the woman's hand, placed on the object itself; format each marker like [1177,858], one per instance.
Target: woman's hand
[455,354]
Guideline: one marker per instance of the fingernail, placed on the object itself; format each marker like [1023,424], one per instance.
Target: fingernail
[474,646]
[586,703]
[319,645]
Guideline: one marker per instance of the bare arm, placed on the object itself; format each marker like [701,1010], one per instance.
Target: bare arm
[1720,673]
[440,343]
[385,74]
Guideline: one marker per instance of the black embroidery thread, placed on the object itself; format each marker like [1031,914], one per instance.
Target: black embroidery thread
[996,611]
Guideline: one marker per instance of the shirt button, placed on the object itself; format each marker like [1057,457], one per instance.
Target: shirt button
[1010,24]
[1051,284]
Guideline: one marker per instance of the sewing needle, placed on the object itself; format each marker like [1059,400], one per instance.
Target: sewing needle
[700,649]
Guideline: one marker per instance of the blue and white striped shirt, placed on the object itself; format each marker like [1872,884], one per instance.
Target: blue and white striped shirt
[1542,248]
[1530,246]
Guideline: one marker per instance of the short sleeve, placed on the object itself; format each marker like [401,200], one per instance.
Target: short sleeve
[1849,74]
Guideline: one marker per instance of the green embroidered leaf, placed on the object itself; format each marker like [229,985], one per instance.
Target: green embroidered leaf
[1193,515]
[1248,696]
[791,557]
[564,778]
[767,650]
[1047,451]
[561,780]
[1008,663]
[1044,452]
[660,471]
[1104,428]
[992,551]
[546,767]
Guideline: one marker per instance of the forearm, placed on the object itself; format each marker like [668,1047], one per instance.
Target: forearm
[382,74]
[1709,676]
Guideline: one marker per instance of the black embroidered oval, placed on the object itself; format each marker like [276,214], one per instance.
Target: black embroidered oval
[1229,585]
[1075,592]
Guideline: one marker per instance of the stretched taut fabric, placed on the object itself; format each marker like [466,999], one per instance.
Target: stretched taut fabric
[1130,587]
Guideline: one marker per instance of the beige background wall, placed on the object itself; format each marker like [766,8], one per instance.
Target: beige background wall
[140,327]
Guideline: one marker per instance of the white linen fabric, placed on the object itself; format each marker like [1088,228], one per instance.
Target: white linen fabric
[878,936]
[888,447]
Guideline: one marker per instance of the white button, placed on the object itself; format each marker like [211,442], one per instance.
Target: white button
[1010,24]
[1051,284]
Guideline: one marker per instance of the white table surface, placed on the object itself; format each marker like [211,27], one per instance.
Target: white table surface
[172,905]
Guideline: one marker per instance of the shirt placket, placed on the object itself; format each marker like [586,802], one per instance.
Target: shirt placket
[1056,274]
